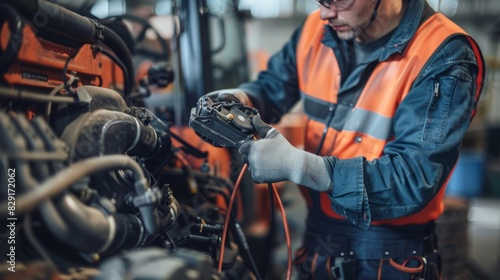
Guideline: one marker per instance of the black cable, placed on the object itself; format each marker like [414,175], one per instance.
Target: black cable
[231,223]
[229,188]
[243,245]
[217,191]
[271,206]
[186,147]
[126,81]
[116,43]
[171,240]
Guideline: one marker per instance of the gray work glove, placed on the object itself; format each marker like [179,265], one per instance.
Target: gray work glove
[273,159]
[230,95]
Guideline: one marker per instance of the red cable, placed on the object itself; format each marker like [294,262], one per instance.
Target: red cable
[287,233]
[283,218]
[228,216]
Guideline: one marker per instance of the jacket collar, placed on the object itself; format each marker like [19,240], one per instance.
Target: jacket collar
[406,29]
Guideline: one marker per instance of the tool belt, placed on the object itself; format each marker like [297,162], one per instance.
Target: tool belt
[384,252]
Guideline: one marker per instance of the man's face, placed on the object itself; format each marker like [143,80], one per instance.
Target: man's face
[351,22]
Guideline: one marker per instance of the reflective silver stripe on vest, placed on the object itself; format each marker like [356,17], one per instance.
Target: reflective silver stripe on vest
[369,123]
[346,118]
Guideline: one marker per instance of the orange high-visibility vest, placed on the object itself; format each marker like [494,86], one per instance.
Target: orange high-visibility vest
[368,127]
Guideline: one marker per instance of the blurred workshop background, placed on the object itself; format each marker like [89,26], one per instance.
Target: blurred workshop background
[241,36]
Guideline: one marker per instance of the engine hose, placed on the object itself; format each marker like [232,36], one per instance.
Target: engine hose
[16,27]
[129,233]
[73,217]
[77,225]
[118,46]
[84,228]
[106,132]
[52,19]
[68,176]
[81,227]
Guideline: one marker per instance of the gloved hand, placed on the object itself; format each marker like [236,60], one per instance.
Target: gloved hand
[230,95]
[274,159]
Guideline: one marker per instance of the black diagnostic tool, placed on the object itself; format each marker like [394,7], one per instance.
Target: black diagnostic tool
[222,123]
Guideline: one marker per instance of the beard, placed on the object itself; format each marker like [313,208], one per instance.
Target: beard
[350,34]
[357,28]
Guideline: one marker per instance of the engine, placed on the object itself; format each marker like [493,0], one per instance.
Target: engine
[95,185]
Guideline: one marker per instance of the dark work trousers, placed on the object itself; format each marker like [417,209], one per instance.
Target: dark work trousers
[344,251]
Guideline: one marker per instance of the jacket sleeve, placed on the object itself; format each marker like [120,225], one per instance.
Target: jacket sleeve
[276,89]
[429,126]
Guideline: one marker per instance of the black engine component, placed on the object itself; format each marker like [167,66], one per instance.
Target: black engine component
[222,123]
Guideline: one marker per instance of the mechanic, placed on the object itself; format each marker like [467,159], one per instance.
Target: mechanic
[389,88]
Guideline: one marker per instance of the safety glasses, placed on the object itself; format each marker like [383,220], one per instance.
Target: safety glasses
[339,5]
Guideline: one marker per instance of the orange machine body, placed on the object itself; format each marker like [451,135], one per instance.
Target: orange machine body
[40,63]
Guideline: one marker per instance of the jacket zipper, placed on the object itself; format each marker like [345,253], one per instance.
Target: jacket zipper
[436,89]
